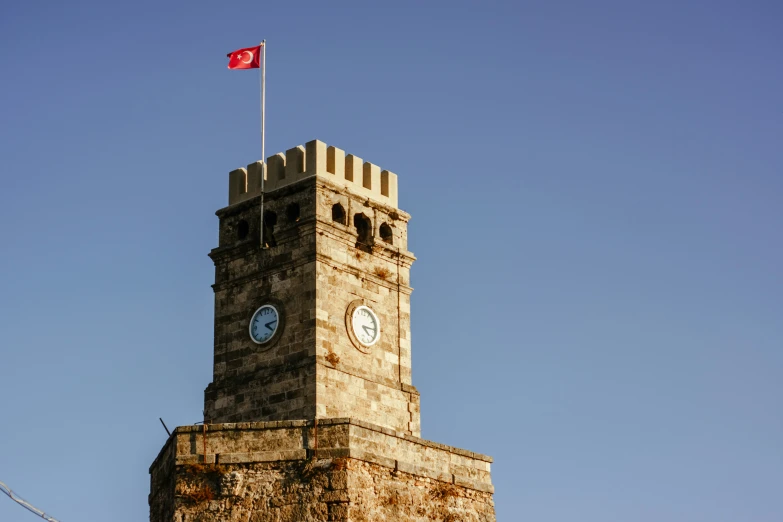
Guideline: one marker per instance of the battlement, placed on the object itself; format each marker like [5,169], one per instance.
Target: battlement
[314,159]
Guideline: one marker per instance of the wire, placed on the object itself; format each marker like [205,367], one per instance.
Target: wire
[22,502]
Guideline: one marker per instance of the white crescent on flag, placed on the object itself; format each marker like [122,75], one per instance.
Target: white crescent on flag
[247,58]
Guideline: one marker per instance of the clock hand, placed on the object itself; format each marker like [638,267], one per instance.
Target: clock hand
[268,327]
[369,331]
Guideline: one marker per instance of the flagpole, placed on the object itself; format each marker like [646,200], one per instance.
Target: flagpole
[263,129]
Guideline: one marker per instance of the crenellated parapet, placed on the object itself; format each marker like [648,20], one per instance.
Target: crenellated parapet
[314,159]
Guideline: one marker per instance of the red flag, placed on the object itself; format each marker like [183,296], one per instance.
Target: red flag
[248,58]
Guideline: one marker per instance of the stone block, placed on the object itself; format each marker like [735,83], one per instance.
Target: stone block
[371,177]
[237,186]
[256,172]
[275,171]
[316,157]
[294,163]
[353,169]
[335,163]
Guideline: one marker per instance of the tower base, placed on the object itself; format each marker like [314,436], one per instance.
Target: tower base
[300,471]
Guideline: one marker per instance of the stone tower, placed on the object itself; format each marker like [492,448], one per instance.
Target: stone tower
[311,413]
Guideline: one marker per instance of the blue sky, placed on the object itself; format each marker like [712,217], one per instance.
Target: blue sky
[596,197]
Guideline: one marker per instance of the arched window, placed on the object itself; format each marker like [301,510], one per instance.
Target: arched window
[292,212]
[363,229]
[270,220]
[243,229]
[338,214]
[386,234]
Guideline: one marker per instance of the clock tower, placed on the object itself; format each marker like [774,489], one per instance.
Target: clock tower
[316,322]
[311,414]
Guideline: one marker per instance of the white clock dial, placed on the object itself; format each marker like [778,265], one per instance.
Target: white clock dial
[366,326]
[264,323]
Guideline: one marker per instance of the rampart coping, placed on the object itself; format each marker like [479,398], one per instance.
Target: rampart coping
[354,439]
[315,158]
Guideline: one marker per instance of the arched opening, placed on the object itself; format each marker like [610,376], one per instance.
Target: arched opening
[292,212]
[270,220]
[338,214]
[363,230]
[243,229]
[386,234]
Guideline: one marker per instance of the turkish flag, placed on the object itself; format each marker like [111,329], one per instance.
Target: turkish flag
[248,58]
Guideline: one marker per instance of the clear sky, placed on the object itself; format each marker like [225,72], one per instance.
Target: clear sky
[596,191]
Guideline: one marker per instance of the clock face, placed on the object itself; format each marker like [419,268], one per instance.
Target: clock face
[366,326]
[264,324]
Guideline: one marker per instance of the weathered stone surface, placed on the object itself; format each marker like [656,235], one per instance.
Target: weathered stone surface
[359,472]
[312,270]
[315,159]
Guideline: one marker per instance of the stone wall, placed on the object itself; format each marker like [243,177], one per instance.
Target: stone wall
[373,384]
[314,268]
[315,158]
[273,472]
[275,380]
